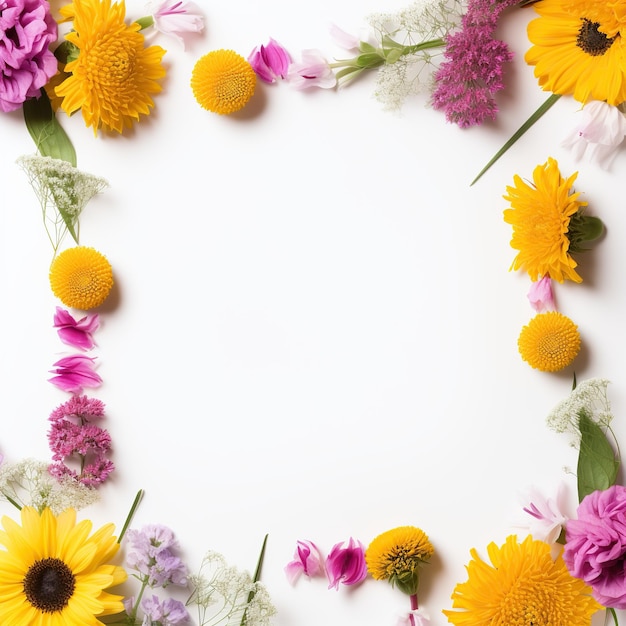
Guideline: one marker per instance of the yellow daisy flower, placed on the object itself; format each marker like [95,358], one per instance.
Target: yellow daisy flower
[52,573]
[578,48]
[540,214]
[81,277]
[396,556]
[549,342]
[223,81]
[114,75]
[522,586]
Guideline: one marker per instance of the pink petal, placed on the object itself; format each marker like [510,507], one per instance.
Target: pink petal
[541,296]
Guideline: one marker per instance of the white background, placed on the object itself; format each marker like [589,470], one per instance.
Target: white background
[313,332]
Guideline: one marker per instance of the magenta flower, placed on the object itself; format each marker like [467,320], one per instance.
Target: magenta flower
[26,64]
[595,548]
[473,66]
[77,334]
[312,71]
[307,560]
[82,408]
[175,18]
[72,373]
[346,564]
[270,62]
[541,296]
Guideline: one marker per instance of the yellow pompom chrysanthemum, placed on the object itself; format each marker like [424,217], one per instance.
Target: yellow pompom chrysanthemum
[549,342]
[81,277]
[114,75]
[522,586]
[54,573]
[223,81]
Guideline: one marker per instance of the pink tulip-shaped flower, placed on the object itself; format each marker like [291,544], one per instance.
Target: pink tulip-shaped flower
[72,373]
[175,18]
[346,564]
[541,296]
[270,62]
[26,63]
[312,71]
[76,333]
[307,560]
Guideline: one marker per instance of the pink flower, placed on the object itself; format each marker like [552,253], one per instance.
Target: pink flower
[595,548]
[72,373]
[312,71]
[307,561]
[77,334]
[600,132]
[175,17]
[346,565]
[26,64]
[270,62]
[414,618]
[547,513]
[541,296]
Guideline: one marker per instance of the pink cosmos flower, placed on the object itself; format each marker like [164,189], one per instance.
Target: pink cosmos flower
[541,296]
[270,62]
[414,618]
[72,373]
[307,561]
[547,513]
[595,548]
[312,71]
[26,64]
[175,18]
[600,132]
[77,334]
[346,564]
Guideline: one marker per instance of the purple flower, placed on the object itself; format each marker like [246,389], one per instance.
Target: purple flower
[472,72]
[77,334]
[312,71]
[72,373]
[307,560]
[169,612]
[270,62]
[81,407]
[176,17]
[346,565]
[26,64]
[595,548]
[541,296]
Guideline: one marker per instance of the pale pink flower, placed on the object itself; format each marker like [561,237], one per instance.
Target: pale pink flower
[76,333]
[307,560]
[312,71]
[600,132]
[344,40]
[414,618]
[346,565]
[72,373]
[175,18]
[541,296]
[548,517]
[270,62]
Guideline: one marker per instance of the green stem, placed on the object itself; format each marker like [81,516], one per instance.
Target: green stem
[614,615]
[129,517]
[520,131]
[256,578]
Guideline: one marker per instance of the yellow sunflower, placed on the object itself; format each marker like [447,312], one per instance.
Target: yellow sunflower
[522,586]
[578,48]
[549,342]
[81,277]
[540,214]
[52,573]
[397,554]
[223,81]
[114,74]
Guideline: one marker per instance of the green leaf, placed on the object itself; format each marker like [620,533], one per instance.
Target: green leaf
[519,132]
[366,47]
[393,55]
[256,578]
[369,60]
[597,462]
[49,137]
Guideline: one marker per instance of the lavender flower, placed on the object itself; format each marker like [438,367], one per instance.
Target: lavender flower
[168,612]
[26,64]
[472,72]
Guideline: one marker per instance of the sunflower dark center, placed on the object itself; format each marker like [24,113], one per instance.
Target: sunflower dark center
[591,40]
[49,584]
